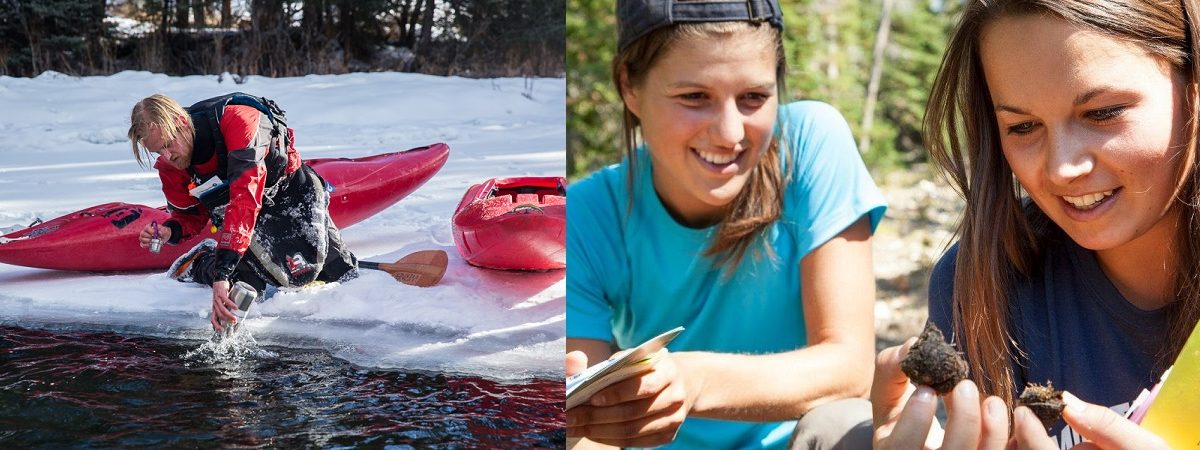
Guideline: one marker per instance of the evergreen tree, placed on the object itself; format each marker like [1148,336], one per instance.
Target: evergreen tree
[593,107]
[62,35]
[920,34]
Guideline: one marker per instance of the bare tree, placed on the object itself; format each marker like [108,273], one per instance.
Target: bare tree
[346,27]
[199,10]
[426,27]
[266,14]
[401,15]
[181,14]
[313,16]
[881,41]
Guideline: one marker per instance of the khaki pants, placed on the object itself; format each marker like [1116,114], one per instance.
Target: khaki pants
[842,424]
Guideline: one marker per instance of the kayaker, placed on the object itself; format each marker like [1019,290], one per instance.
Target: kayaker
[745,221]
[231,160]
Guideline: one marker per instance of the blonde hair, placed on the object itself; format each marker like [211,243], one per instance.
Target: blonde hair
[155,111]
[760,202]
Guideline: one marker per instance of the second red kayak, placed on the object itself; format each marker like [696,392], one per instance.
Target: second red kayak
[514,223]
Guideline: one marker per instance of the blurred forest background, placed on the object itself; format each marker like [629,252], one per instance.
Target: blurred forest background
[475,38]
[833,48]
[875,61]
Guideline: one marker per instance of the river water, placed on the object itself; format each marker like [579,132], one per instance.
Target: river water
[78,388]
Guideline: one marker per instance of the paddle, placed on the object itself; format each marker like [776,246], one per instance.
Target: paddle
[424,268]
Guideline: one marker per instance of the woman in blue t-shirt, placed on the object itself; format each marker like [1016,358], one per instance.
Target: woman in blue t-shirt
[747,223]
[1070,128]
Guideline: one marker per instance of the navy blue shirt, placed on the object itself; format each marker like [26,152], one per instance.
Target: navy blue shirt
[1076,328]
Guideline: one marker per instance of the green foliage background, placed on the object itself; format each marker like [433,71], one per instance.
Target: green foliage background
[829,47]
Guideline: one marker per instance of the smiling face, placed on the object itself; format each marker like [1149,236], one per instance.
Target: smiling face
[1092,127]
[707,109]
[176,152]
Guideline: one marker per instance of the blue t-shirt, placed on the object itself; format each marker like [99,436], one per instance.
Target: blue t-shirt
[1077,329]
[635,273]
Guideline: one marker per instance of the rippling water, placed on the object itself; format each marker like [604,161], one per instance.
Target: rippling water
[69,388]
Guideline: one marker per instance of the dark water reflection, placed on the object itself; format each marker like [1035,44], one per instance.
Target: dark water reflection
[71,389]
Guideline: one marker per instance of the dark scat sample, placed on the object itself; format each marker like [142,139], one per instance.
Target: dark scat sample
[1045,401]
[933,362]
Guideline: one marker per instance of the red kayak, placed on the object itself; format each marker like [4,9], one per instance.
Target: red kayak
[105,237]
[514,223]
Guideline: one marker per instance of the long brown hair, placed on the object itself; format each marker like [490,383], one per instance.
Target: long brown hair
[1000,237]
[760,202]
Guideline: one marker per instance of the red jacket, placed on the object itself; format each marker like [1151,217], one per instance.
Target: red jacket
[248,147]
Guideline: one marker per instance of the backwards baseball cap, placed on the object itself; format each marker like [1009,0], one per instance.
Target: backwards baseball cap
[636,18]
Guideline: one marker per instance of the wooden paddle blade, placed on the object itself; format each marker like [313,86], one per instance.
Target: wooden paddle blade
[429,257]
[424,268]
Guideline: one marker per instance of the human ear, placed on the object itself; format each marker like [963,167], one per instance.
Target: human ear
[627,92]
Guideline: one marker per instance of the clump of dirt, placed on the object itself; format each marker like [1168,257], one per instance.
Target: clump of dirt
[1045,401]
[933,362]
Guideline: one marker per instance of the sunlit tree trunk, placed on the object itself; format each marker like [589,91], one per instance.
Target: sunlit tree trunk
[877,59]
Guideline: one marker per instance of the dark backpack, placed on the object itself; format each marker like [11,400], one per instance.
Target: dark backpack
[206,118]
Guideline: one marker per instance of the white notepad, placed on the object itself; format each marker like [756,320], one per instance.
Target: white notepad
[620,366]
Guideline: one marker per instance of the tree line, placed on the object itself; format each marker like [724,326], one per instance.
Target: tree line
[282,38]
[833,47]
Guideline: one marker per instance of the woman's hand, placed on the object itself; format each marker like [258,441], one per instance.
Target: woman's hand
[903,414]
[642,411]
[1102,428]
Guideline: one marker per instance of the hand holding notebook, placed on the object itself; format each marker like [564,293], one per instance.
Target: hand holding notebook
[620,366]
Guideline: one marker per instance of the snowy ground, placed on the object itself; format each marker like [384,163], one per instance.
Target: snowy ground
[63,148]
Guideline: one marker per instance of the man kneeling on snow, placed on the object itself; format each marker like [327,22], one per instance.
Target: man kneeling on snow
[231,160]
